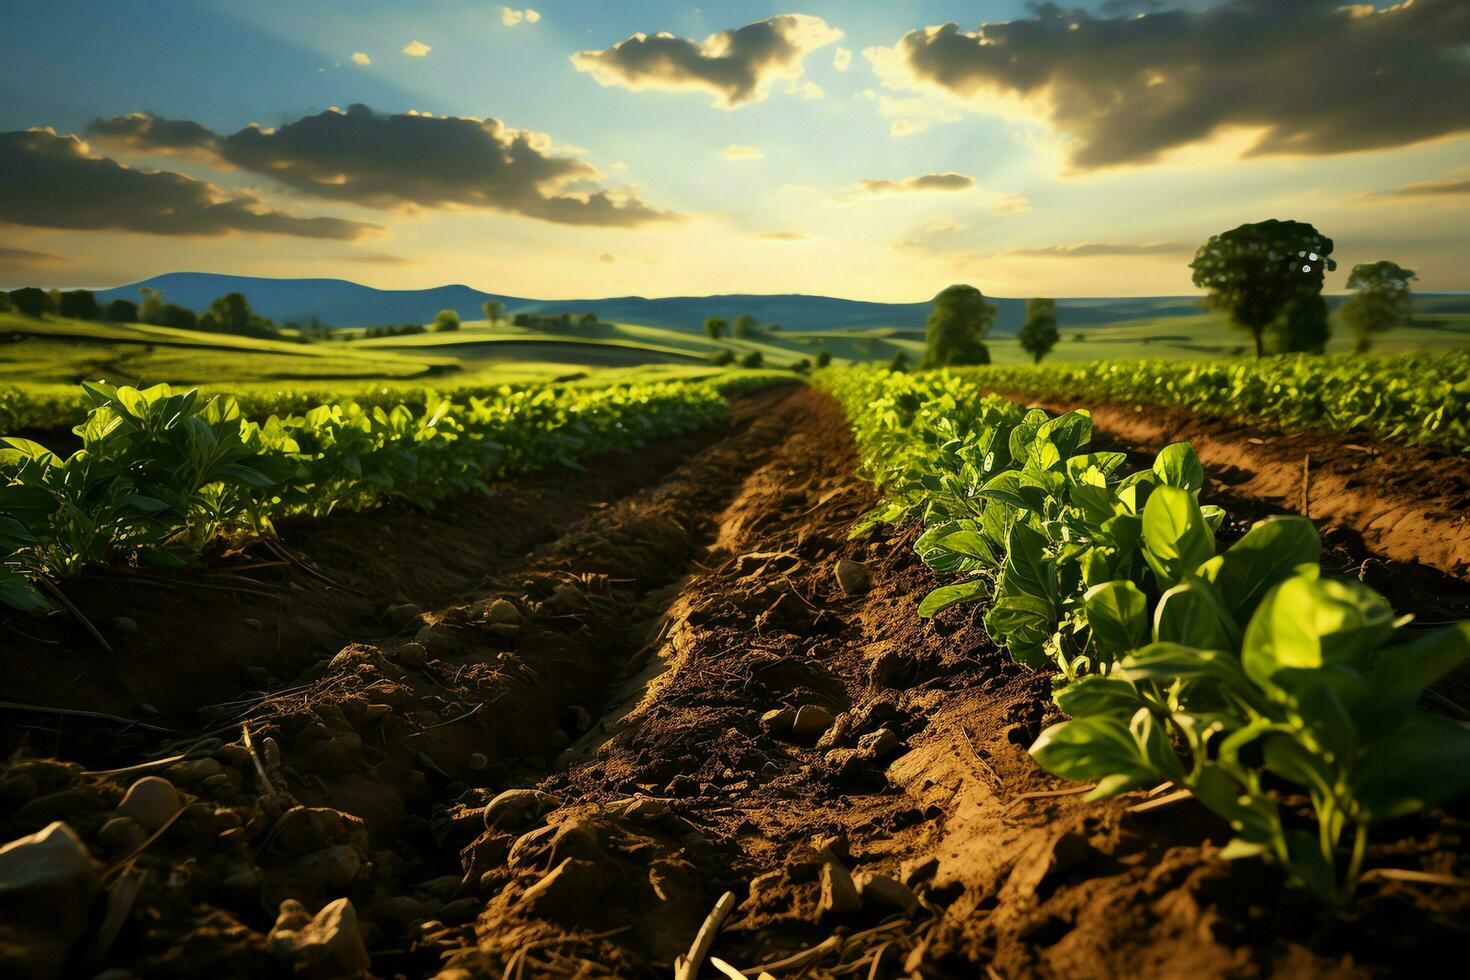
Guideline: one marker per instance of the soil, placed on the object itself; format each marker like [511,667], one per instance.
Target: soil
[623,693]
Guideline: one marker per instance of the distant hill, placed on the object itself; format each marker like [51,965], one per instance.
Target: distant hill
[346,304]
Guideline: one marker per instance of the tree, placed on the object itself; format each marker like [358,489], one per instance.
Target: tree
[1039,333]
[722,357]
[1253,272]
[588,320]
[78,304]
[957,327]
[446,321]
[715,327]
[1382,303]
[1301,327]
[231,313]
[494,311]
[4,301]
[152,307]
[900,362]
[179,317]
[121,311]
[824,358]
[30,301]
[744,326]
[752,360]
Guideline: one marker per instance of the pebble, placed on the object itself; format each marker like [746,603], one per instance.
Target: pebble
[270,752]
[460,910]
[852,576]
[150,801]
[502,612]
[120,835]
[881,744]
[839,894]
[330,868]
[571,886]
[477,761]
[47,884]
[811,721]
[778,721]
[413,654]
[376,712]
[125,624]
[886,892]
[402,613]
[328,944]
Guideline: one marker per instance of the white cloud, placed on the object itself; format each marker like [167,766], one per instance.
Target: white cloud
[1010,203]
[358,58]
[416,49]
[737,152]
[841,59]
[511,18]
[810,91]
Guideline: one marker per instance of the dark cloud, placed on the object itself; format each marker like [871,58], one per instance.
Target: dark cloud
[738,66]
[927,182]
[1116,8]
[51,181]
[1094,249]
[24,258]
[406,160]
[377,258]
[1315,76]
[1451,187]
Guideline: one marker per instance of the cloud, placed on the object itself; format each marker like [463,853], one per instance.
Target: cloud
[24,258]
[511,18]
[51,181]
[810,91]
[911,185]
[1307,78]
[939,234]
[358,58]
[416,49]
[842,58]
[912,115]
[738,66]
[376,258]
[737,152]
[607,258]
[1448,187]
[1089,250]
[782,236]
[1010,203]
[403,161]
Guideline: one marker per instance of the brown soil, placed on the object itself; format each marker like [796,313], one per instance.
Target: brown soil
[622,668]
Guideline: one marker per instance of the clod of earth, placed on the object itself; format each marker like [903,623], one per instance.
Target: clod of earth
[47,884]
[811,722]
[839,894]
[328,944]
[852,576]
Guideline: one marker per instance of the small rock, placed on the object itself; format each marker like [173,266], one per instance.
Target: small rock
[778,721]
[810,722]
[330,868]
[477,761]
[836,845]
[516,808]
[270,753]
[233,755]
[402,613]
[328,944]
[502,612]
[839,894]
[120,835]
[255,624]
[879,745]
[918,869]
[376,712]
[852,576]
[571,887]
[460,910]
[125,624]
[195,770]
[47,884]
[413,654]
[402,909]
[151,801]
[886,892]
[647,808]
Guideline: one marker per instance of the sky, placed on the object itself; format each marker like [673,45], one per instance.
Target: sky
[875,151]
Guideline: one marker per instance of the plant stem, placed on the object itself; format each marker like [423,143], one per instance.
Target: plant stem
[1355,865]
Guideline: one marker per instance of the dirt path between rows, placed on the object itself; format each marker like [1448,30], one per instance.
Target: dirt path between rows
[559,768]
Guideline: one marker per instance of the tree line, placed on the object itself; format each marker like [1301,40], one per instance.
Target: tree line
[229,314]
[1266,277]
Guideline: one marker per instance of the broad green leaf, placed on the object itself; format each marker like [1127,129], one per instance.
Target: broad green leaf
[1178,466]
[1190,615]
[1117,613]
[1093,694]
[970,590]
[1176,539]
[1417,768]
[1305,624]
[1095,748]
[1266,555]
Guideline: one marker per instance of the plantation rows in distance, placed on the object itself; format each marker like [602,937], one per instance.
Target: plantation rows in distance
[1243,655]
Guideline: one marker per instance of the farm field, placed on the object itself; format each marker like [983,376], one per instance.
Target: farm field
[484,722]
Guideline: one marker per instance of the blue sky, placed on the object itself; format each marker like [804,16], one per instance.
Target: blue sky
[796,217]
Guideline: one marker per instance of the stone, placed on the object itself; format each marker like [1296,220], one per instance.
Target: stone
[125,624]
[304,830]
[567,890]
[839,894]
[376,712]
[330,868]
[121,835]
[460,910]
[48,882]
[413,654]
[151,801]
[502,612]
[400,614]
[778,721]
[879,745]
[918,869]
[811,721]
[517,808]
[328,944]
[852,576]
[888,893]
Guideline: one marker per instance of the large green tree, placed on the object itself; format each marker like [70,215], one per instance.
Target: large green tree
[745,325]
[494,311]
[1038,334]
[79,304]
[1254,272]
[1383,300]
[1300,328]
[715,327]
[446,321]
[958,323]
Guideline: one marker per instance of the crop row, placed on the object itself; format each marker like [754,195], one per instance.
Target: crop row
[162,473]
[1229,670]
[1416,399]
